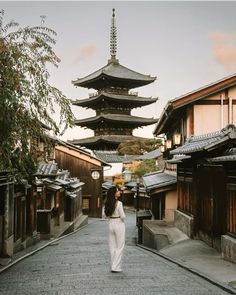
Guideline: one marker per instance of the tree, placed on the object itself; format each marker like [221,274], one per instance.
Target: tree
[146,166]
[138,147]
[27,100]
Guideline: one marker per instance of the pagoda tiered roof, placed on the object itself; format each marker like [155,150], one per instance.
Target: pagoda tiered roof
[116,75]
[128,100]
[94,141]
[113,102]
[133,121]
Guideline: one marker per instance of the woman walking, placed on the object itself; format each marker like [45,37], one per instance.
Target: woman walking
[116,216]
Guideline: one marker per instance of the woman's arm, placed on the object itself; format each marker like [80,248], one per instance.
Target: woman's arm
[121,211]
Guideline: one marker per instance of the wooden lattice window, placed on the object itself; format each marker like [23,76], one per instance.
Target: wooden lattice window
[185,197]
[85,204]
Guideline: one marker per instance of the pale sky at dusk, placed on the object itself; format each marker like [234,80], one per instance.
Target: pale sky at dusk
[186,45]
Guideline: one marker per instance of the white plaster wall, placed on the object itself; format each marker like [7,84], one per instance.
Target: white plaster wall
[207,118]
[114,170]
[171,205]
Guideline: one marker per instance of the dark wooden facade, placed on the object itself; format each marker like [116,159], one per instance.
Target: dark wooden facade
[201,195]
[25,217]
[89,170]
[6,214]
[206,185]
[18,219]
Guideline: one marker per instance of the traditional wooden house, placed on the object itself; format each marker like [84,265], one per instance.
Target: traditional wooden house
[206,187]
[160,187]
[113,102]
[204,110]
[6,214]
[59,200]
[89,169]
[228,240]
[18,228]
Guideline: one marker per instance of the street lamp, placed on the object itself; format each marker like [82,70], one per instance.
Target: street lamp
[127,174]
[162,148]
[177,138]
[168,144]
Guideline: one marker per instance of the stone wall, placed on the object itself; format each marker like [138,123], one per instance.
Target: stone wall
[228,248]
[184,223]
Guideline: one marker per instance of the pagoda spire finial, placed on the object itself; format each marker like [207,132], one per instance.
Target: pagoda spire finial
[113,38]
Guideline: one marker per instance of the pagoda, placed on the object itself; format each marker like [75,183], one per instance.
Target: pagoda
[112,102]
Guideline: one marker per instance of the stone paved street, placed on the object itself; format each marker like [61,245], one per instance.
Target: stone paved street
[79,264]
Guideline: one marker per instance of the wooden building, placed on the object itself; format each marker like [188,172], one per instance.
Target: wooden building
[160,187]
[112,102]
[18,228]
[59,200]
[188,115]
[6,214]
[88,169]
[206,186]
[228,163]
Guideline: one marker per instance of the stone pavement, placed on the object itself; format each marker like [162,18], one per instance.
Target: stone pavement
[79,264]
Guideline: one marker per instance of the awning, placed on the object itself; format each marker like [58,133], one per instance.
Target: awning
[71,195]
[76,185]
[159,179]
[54,187]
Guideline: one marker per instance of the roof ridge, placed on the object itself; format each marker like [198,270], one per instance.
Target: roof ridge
[220,133]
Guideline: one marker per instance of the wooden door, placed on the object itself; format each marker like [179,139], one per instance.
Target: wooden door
[211,200]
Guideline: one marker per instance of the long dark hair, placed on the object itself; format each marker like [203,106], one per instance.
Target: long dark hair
[110,203]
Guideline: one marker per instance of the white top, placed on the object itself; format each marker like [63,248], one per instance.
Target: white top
[119,211]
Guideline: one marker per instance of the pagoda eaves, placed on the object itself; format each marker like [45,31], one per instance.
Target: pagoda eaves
[101,142]
[116,75]
[133,121]
[132,101]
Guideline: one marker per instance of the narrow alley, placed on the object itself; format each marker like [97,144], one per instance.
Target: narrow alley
[79,264]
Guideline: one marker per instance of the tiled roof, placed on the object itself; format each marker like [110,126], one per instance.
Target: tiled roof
[106,185]
[178,159]
[47,168]
[114,157]
[105,138]
[206,141]
[115,70]
[118,118]
[151,155]
[158,179]
[229,156]
[56,178]
[128,99]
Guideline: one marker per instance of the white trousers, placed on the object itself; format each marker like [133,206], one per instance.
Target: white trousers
[116,242]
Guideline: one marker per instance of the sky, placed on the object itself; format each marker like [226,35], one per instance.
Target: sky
[185,44]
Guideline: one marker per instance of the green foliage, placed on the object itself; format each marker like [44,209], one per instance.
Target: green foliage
[27,100]
[138,147]
[144,167]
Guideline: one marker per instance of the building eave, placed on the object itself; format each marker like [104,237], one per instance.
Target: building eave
[181,102]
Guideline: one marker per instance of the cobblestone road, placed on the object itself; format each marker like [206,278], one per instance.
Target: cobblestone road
[79,264]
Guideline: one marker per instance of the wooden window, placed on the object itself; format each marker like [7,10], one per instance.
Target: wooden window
[185,189]
[185,197]
[85,205]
